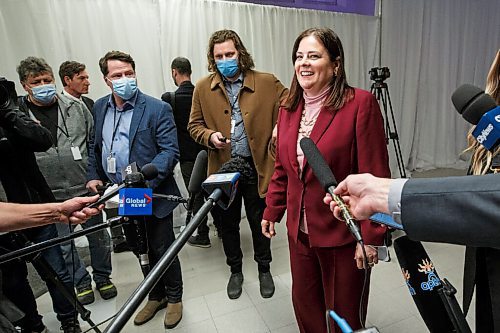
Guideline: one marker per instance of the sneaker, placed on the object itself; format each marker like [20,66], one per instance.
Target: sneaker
[71,326]
[107,289]
[37,329]
[199,241]
[173,315]
[122,247]
[149,310]
[85,294]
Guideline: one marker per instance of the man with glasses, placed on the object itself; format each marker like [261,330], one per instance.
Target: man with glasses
[131,126]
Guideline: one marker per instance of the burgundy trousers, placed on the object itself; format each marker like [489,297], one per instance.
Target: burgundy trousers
[325,278]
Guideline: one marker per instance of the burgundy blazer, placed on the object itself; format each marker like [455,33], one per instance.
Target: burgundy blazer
[352,141]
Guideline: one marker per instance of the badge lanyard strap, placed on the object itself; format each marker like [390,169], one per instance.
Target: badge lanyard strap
[116,124]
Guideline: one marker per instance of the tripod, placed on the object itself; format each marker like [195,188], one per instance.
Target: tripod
[43,267]
[381,92]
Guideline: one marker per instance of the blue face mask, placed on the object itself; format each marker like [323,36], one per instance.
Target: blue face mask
[45,93]
[125,88]
[228,67]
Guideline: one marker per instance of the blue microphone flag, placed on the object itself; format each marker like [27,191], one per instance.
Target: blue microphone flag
[487,131]
[135,202]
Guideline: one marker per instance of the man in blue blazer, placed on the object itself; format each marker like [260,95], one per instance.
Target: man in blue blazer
[133,127]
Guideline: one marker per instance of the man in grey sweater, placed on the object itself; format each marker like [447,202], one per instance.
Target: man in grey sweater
[64,165]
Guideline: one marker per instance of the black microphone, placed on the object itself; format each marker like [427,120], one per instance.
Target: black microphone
[327,180]
[198,174]
[148,172]
[479,109]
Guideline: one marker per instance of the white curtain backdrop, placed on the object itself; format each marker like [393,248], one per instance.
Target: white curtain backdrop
[431,47]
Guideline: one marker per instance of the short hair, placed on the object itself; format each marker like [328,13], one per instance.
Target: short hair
[245,60]
[33,66]
[114,55]
[70,69]
[340,91]
[182,65]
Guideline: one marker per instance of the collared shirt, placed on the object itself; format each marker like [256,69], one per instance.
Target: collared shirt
[79,100]
[239,141]
[394,198]
[115,136]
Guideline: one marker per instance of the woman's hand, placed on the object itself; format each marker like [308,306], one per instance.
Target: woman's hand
[268,228]
[371,256]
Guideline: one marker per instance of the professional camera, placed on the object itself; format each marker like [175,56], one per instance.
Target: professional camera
[379,74]
[8,95]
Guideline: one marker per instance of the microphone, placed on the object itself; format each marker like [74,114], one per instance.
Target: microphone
[197,176]
[479,109]
[222,187]
[327,180]
[133,179]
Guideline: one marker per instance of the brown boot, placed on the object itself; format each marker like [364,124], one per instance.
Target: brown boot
[149,311]
[173,315]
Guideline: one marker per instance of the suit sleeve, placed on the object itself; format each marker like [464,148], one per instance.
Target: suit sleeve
[167,146]
[197,127]
[93,162]
[458,210]
[281,96]
[372,156]
[277,191]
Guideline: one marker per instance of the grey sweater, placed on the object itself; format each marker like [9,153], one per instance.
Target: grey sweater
[65,176]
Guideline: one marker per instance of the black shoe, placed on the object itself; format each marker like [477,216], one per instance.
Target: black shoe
[266,284]
[121,247]
[85,294]
[107,289]
[199,241]
[39,328]
[234,285]
[71,326]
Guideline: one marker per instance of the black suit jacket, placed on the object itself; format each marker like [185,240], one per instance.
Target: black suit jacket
[89,103]
[182,109]
[459,210]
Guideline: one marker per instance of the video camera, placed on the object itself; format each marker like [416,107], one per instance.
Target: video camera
[379,74]
[8,95]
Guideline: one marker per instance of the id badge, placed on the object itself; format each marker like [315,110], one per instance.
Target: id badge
[233,124]
[77,155]
[111,162]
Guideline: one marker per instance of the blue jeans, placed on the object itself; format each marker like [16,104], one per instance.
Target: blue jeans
[100,254]
[53,257]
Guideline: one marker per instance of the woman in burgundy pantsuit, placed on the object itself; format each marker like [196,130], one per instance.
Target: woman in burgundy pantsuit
[346,125]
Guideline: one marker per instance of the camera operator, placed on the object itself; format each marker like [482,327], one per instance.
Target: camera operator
[23,182]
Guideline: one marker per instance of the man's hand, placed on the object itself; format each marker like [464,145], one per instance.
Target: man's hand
[92,185]
[365,194]
[218,140]
[75,210]
[268,229]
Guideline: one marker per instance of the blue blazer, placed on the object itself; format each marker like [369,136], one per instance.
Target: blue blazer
[153,139]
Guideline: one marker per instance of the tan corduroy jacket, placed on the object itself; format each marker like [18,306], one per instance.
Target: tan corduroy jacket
[259,101]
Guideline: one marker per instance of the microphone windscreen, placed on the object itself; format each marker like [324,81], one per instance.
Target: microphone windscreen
[422,282]
[463,95]
[149,171]
[478,107]
[199,172]
[318,163]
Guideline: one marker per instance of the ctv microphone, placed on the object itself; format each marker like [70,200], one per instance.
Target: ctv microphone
[479,109]
[197,176]
[327,180]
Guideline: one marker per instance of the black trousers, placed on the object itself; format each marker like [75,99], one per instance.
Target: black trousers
[187,170]
[159,236]
[229,226]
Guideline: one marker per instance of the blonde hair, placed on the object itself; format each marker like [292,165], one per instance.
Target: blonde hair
[481,157]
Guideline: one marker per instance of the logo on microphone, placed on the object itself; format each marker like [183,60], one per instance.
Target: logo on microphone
[484,133]
[135,201]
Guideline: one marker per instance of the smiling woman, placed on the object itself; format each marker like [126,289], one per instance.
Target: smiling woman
[346,125]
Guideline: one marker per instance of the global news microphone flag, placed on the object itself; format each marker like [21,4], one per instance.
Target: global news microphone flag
[135,202]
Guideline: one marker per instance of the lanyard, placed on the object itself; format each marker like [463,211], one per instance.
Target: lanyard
[116,124]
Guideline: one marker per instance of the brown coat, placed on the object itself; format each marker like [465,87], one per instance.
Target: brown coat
[259,100]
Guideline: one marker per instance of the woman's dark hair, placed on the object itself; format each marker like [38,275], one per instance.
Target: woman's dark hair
[340,92]
[245,60]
